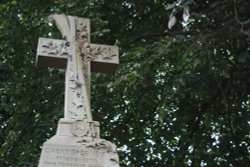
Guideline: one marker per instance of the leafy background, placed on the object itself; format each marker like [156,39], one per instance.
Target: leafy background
[180,96]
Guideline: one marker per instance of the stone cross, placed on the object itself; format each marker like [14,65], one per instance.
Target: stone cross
[77,141]
[79,56]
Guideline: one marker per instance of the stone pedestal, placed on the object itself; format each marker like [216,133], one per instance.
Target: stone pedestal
[71,147]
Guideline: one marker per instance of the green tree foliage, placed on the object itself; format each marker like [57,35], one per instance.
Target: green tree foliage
[180,97]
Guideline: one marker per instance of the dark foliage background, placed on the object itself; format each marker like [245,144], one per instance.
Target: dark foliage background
[180,97]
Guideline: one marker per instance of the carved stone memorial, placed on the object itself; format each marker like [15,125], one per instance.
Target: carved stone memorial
[77,142]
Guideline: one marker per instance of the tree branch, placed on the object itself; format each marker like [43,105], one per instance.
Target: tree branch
[161,34]
[245,32]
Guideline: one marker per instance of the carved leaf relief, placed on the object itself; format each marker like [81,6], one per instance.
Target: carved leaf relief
[82,32]
[73,114]
[106,151]
[103,52]
[55,47]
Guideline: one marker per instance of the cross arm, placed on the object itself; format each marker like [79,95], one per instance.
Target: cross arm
[106,58]
[52,53]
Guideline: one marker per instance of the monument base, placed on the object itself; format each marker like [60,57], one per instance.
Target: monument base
[67,150]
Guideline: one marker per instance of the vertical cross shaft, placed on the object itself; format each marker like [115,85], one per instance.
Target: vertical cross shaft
[77,95]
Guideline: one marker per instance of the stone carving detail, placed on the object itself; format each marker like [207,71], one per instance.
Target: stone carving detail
[82,32]
[80,128]
[85,53]
[108,149]
[96,52]
[77,109]
[102,52]
[55,47]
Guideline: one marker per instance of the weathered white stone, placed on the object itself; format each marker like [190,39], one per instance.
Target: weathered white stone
[77,142]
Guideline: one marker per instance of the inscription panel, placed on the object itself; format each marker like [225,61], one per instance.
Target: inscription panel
[68,156]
